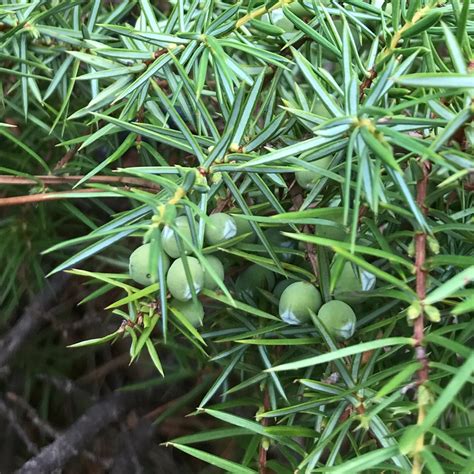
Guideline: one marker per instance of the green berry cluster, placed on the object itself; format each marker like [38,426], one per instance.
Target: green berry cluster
[186,276]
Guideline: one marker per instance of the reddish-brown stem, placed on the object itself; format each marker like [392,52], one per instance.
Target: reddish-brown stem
[311,251]
[58,195]
[367,83]
[420,257]
[45,179]
[419,325]
[68,156]
[42,197]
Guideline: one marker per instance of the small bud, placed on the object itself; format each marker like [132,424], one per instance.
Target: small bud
[433,244]
[411,248]
[433,313]
[234,147]
[260,412]
[414,310]
[265,444]
[216,178]
[364,422]
[424,396]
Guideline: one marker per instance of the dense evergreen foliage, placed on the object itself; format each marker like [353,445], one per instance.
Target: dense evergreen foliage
[301,174]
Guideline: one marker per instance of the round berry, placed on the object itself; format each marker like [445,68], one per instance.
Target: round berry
[308,178]
[244,227]
[192,310]
[139,265]
[297,301]
[280,242]
[218,268]
[336,231]
[178,284]
[253,278]
[168,237]
[338,318]
[353,279]
[219,228]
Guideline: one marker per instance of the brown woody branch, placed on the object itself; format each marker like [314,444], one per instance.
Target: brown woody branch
[77,436]
[68,156]
[12,419]
[42,425]
[51,180]
[31,319]
[58,195]
[40,197]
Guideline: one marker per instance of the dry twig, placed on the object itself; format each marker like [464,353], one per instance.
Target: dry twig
[31,319]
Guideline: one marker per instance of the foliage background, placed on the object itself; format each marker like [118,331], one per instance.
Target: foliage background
[111,110]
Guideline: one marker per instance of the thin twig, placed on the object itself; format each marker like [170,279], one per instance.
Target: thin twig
[31,319]
[66,386]
[53,196]
[45,179]
[419,324]
[10,415]
[367,83]
[311,251]
[79,434]
[43,426]
[262,455]
[41,197]
[100,372]
[68,156]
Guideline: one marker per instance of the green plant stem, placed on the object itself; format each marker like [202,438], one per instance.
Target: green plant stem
[262,455]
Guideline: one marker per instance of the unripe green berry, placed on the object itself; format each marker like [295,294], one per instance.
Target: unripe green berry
[168,237]
[338,318]
[353,280]
[253,278]
[279,19]
[279,241]
[218,268]
[298,9]
[192,310]
[178,284]
[139,265]
[219,228]
[281,286]
[298,301]
[216,178]
[244,227]
[432,313]
[307,178]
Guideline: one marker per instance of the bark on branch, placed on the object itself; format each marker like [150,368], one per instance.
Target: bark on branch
[31,319]
[78,435]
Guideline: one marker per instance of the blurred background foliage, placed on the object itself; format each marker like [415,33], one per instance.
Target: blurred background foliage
[337,135]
